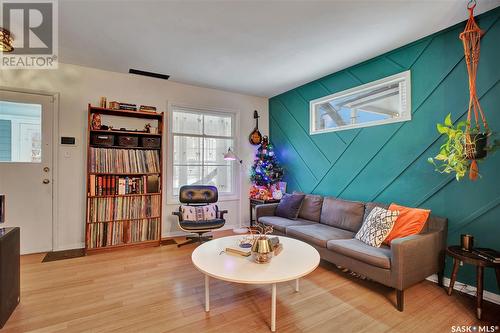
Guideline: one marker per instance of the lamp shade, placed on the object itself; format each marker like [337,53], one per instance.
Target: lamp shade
[230,155]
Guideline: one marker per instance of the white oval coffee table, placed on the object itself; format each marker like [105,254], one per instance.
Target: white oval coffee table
[297,259]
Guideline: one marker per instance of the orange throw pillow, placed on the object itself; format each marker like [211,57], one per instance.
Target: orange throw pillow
[410,221]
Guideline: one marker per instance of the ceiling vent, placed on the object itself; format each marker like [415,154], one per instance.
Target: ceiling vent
[150,74]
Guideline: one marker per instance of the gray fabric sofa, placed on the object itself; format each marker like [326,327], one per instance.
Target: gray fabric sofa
[329,224]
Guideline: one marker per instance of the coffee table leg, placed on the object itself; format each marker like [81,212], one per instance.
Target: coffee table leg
[273,309]
[297,285]
[207,293]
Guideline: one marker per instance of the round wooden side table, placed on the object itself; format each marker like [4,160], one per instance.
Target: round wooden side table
[462,256]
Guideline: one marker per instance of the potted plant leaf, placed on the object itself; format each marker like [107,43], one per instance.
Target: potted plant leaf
[460,149]
[451,157]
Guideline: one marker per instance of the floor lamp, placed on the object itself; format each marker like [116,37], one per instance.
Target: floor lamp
[231,156]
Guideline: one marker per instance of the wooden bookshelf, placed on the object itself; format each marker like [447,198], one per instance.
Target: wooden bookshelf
[113,194]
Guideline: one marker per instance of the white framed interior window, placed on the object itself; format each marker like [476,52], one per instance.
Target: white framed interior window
[199,138]
[380,102]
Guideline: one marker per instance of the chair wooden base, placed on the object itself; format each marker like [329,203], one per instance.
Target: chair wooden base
[195,239]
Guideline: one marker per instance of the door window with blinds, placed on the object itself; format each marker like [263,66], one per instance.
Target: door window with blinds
[20,132]
[200,138]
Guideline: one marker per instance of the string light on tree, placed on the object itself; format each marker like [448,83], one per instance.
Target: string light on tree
[265,172]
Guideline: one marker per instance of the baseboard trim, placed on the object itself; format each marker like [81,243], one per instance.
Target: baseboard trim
[467,289]
[70,247]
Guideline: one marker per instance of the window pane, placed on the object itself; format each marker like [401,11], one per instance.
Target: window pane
[187,150]
[214,150]
[220,176]
[186,175]
[380,102]
[218,125]
[20,132]
[187,122]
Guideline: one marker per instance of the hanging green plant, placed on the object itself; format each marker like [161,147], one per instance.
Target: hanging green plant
[460,148]
[451,157]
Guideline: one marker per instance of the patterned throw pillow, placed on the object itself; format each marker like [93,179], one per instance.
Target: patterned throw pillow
[377,226]
[210,212]
[199,213]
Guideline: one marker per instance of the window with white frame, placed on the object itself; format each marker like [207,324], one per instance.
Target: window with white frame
[380,102]
[199,139]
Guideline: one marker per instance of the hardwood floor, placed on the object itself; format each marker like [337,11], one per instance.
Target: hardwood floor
[159,290]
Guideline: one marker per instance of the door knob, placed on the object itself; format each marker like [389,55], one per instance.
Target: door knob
[46,169]
[46,181]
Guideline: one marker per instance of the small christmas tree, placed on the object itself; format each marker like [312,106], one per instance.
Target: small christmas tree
[266,171]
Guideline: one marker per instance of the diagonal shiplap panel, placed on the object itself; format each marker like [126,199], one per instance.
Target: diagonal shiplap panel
[389,163]
[299,109]
[408,55]
[300,140]
[366,145]
[340,81]
[375,69]
[290,159]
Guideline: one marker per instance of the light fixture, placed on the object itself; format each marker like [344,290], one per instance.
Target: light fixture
[231,156]
[6,41]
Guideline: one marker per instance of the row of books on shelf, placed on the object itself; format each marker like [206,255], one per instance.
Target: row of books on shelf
[488,254]
[117,233]
[123,208]
[131,107]
[109,160]
[121,185]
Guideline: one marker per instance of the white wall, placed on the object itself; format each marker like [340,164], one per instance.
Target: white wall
[79,86]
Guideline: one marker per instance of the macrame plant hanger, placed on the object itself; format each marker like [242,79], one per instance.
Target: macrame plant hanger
[471,39]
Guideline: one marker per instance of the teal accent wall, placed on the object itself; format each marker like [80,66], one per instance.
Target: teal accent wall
[388,163]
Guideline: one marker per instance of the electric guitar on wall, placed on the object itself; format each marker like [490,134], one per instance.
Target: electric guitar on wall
[255,137]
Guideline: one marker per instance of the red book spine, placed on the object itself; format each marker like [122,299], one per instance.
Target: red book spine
[108,185]
[113,185]
[99,185]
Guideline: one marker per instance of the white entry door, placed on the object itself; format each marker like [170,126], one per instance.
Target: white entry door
[26,131]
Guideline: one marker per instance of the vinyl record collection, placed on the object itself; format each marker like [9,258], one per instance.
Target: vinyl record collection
[117,233]
[123,208]
[105,234]
[109,160]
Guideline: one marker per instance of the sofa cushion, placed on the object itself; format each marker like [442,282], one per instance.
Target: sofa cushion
[281,223]
[377,226]
[342,214]
[317,234]
[202,225]
[311,207]
[289,206]
[370,205]
[356,249]
[411,221]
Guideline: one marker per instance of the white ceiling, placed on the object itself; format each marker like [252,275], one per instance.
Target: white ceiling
[258,48]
